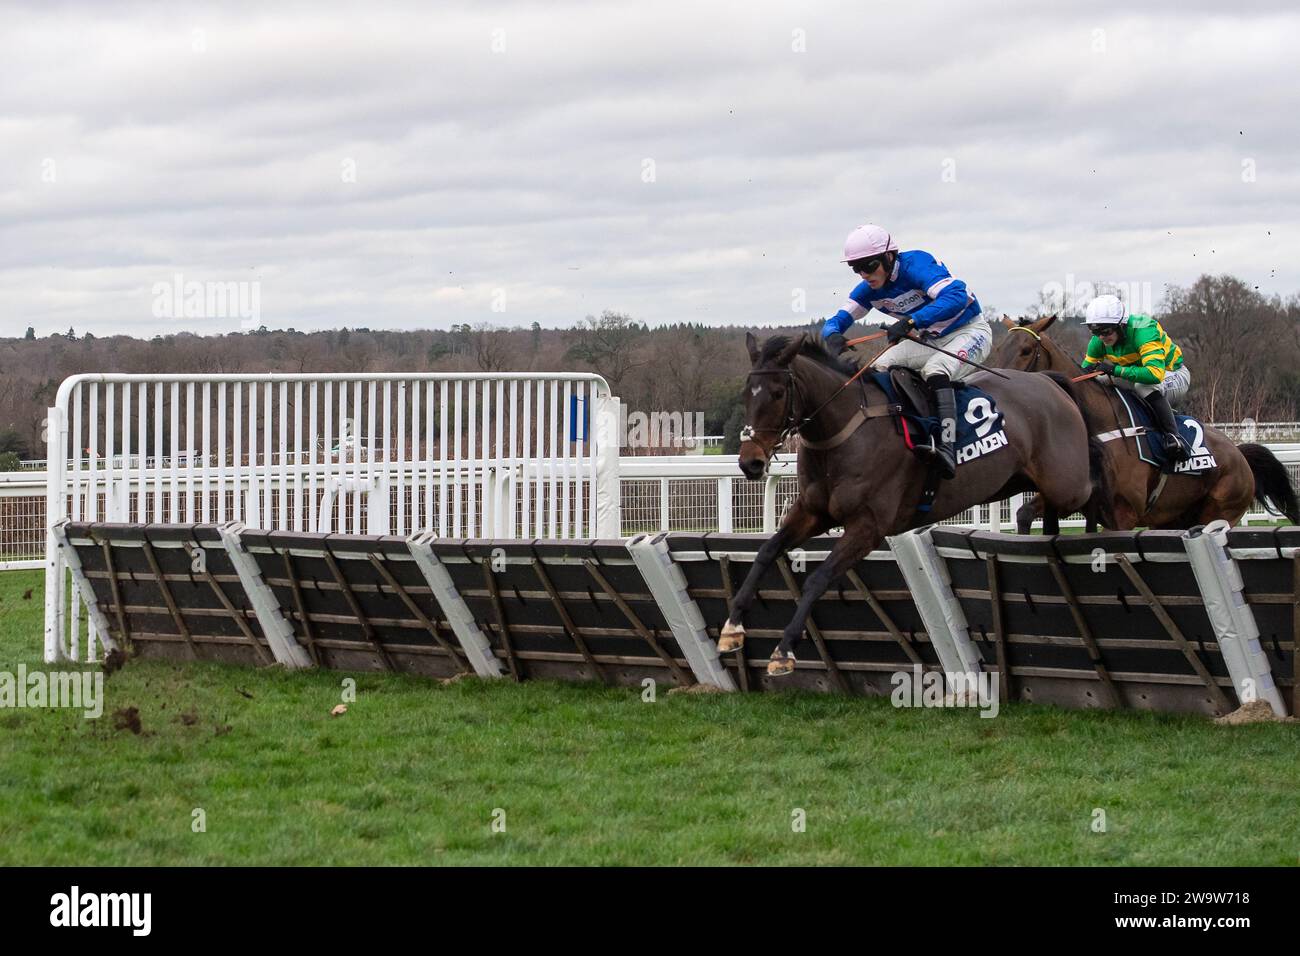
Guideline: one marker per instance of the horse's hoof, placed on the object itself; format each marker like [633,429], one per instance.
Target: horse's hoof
[732,638]
[780,665]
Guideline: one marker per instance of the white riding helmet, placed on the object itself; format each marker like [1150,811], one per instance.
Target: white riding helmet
[1106,310]
[868,240]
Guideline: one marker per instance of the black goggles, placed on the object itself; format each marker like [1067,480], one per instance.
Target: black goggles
[867,265]
[1106,329]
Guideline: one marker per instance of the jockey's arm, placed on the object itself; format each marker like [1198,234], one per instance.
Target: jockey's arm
[1150,369]
[947,295]
[1150,372]
[853,309]
[1096,351]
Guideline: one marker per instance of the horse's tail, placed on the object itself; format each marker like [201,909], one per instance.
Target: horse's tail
[1099,505]
[1273,488]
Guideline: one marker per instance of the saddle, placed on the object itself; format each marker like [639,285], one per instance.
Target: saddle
[1154,427]
[913,393]
[1143,429]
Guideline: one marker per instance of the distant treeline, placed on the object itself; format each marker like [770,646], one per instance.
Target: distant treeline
[1243,349]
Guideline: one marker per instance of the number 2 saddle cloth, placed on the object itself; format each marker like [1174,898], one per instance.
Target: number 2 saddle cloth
[1144,432]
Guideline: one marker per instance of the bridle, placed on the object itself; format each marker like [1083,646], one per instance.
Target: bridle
[1038,346]
[792,423]
[789,418]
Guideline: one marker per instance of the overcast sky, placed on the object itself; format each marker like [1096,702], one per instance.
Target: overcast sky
[398,166]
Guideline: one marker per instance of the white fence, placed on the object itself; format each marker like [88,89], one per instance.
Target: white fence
[669,493]
[1252,431]
[465,455]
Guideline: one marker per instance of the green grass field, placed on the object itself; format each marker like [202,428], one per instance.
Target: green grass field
[413,772]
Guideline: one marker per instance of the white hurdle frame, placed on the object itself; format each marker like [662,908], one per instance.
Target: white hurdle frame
[463,455]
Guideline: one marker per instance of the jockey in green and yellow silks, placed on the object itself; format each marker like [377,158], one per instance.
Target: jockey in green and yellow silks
[1139,355]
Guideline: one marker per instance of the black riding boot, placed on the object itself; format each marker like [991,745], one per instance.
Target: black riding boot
[1174,448]
[943,455]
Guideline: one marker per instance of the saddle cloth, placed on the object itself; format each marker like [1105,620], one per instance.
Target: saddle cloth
[1146,435]
[979,422]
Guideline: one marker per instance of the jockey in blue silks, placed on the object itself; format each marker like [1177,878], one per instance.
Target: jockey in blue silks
[918,292]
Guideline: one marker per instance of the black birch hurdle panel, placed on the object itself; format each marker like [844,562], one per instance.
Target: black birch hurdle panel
[864,629]
[171,591]
[569,610]
[1102,620]
[356,602]
[1108,620]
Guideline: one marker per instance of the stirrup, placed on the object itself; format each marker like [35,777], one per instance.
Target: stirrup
[934,456]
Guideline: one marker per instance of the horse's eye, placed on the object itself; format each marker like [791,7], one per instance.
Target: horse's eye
[778,392]
[1025,351]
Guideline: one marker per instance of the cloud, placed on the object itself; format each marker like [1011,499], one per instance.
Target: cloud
[397,168]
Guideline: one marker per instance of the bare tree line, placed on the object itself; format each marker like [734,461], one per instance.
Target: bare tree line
[1243,349]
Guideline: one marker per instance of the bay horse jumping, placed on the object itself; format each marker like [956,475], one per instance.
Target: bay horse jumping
[856,472]
[1245,473]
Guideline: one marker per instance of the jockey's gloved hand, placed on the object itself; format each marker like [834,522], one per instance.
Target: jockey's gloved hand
[836,343]
[898,331]
[1105,367]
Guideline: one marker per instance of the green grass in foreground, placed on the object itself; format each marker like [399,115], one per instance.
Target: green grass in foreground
[412,773]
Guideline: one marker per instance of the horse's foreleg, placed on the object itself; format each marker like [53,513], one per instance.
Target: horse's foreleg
[858,540]
[798,526]
[1051,520]
[1026,514]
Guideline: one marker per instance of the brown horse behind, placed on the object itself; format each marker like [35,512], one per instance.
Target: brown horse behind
[1244,473]
[855,471]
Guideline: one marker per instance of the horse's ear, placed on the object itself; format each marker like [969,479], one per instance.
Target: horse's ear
[1008,321]
[791,350]
[751,343]
[1043,324]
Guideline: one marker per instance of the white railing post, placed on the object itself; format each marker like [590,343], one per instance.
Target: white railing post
[56,433]
[608,492]
[378,513]
[724,504]
[769,503]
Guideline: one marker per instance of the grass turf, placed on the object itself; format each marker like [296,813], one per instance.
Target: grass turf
[413,772]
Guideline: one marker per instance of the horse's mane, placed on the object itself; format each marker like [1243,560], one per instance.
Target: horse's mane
[812,347]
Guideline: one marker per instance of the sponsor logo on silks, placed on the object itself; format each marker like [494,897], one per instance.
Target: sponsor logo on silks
[980,413]
[900,303]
